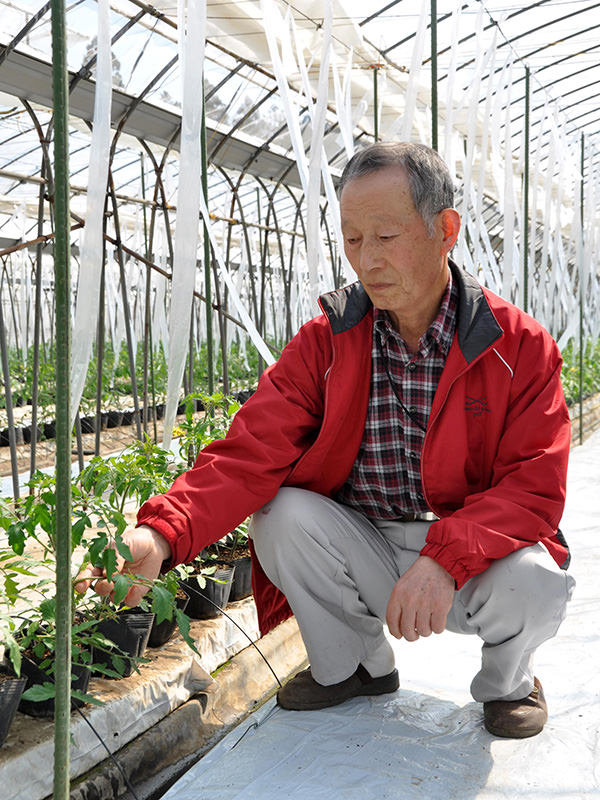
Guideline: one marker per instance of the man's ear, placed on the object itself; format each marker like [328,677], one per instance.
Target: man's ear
[450,224]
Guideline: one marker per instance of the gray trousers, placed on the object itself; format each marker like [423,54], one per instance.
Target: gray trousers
[337,570]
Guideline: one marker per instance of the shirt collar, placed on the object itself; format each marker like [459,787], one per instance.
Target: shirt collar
[441,331]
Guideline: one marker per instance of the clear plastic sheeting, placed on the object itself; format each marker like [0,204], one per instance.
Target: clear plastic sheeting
[427,740]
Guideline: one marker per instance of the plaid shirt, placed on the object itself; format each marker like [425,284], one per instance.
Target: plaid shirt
[385,481]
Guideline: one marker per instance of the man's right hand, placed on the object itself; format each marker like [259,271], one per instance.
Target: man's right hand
[148,551]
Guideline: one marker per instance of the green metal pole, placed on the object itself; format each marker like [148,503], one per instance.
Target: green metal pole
[376,103]
[434,94]
[526,195]
[581,295]
[62,282]
[207,270]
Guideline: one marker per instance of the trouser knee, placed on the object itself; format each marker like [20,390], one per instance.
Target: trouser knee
[527,587]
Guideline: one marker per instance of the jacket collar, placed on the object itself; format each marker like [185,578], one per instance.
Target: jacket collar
[476,327]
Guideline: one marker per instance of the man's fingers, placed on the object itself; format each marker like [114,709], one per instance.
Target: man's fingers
[86,577]
[135,594]
[438,621]
[423,626]
[408,626]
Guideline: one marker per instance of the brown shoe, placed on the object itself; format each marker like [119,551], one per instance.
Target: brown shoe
[517,719]
[303,693]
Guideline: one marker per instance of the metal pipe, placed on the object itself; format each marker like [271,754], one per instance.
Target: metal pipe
[9,404]
[126,313]
[375,103]
[207,266]
[526,134]
[62,283]
[434,73]
[36,332]
[581,196]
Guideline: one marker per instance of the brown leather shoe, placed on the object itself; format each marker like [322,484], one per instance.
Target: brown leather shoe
[517,719]
[303,693]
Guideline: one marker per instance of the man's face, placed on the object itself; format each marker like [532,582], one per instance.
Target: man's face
[403,269]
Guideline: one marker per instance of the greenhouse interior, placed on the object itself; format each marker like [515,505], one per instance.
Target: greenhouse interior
[186,264]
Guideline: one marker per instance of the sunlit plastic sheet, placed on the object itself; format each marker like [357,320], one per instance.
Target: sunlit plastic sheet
[428,740]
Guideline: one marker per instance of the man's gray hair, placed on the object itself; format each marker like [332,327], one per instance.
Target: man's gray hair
[430,183]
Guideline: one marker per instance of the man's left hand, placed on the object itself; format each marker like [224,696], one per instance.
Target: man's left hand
[420,601]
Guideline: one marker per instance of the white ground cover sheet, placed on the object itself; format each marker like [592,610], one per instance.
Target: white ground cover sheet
[427,740]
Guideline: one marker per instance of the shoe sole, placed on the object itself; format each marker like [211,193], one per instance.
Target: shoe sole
[384,685]
[505,733]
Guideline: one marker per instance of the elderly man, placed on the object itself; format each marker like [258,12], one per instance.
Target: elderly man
[404,460]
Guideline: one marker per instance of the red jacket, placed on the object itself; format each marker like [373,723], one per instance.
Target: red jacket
[494,459]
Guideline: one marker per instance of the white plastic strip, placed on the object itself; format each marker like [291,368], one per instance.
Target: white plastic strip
[188,207]
[414,75]
[237,301]
[319,117]
[90,272]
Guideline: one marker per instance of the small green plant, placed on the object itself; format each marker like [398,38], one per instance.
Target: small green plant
[200,429]
[143,469]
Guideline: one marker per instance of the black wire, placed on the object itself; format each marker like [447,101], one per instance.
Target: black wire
[239,627]
[250,727]
[110,755]
[393,386]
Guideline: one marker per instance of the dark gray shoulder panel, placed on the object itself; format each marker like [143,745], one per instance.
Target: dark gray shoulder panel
[477,328]
[345,307]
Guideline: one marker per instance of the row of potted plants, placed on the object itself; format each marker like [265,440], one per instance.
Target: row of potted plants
[108,639]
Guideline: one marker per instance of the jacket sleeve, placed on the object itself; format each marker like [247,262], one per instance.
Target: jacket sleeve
[235,476]
[524,499]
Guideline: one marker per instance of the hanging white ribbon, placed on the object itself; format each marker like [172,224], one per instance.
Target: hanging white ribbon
[314,244]
[271,20]
[188,207]
[414,74]
[90,272]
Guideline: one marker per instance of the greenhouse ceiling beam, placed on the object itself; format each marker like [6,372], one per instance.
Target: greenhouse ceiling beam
[27,77]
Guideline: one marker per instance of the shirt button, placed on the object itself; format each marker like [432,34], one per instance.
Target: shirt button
[412,456]
[412,409]
[412,366]
[420,496]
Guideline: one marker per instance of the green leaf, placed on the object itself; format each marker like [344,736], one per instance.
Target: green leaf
[40,692]
[123,549]
[87,698]
[96,548]
[183,623]
[162,603]
[16,537]
[122,586]
[48,608]
[109,562]
[78,528]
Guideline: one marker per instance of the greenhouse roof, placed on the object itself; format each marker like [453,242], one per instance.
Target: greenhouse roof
[247,126]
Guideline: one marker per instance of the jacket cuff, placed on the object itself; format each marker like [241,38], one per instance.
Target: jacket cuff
[444,558]
[159,525]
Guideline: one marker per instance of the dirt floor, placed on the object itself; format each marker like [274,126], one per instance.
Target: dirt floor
[112,440]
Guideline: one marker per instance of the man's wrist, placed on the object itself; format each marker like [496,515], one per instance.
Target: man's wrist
[162,545]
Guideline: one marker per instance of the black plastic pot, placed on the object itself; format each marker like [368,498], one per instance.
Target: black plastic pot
[114,419]
[161,632]
[11,689]
[28,434]
[129,632]
[4,440]
[217,591]
[50,430]
[36,676]
[242,578]
[160,410]
[88,424]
